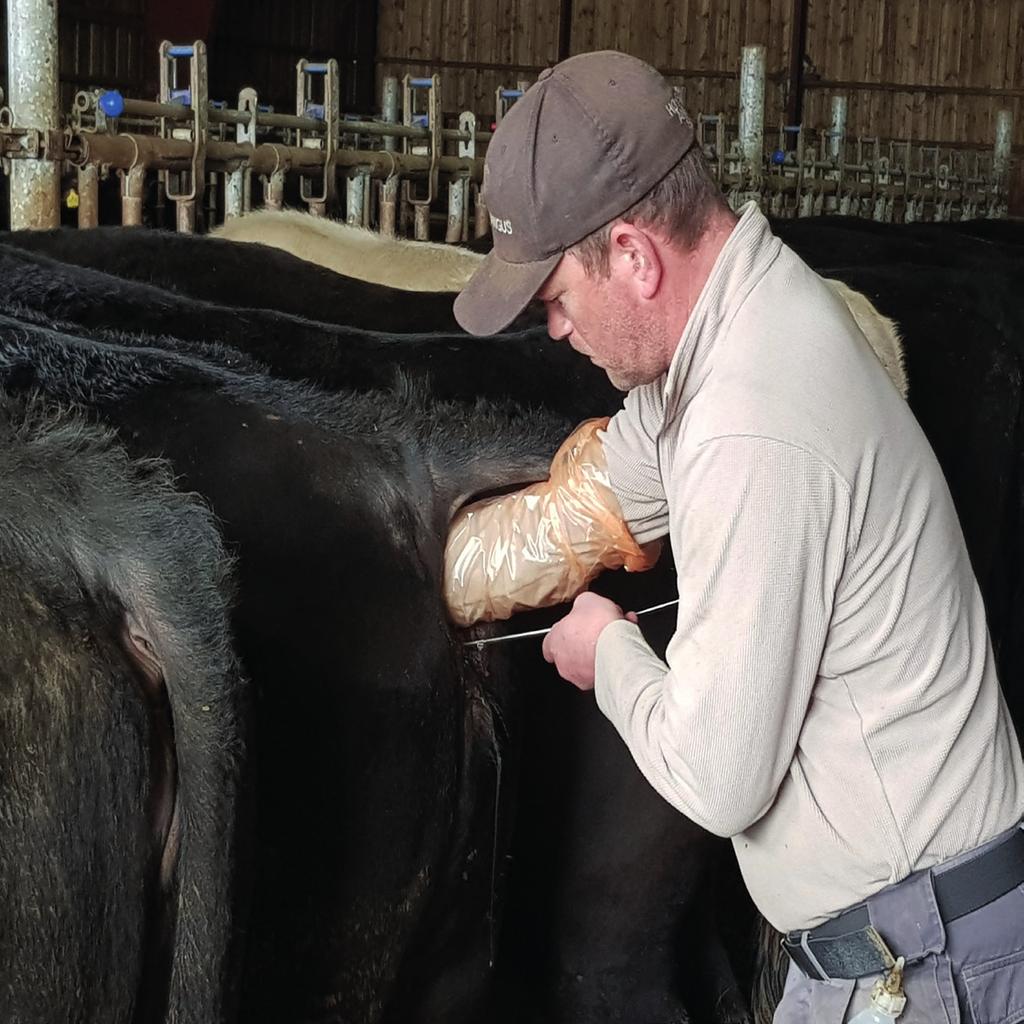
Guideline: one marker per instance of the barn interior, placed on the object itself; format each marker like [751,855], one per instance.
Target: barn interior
[263,759]
[894,110]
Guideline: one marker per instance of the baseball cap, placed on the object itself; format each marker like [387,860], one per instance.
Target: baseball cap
[589,139]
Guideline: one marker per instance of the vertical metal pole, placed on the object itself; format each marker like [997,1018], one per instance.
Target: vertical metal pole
[421,225]
[186,216]
[482,221]
[838,130]
[273,193]
[354,200]
[34,101]
[234,194]
[752,107]
[88,196]
[456,211]
[389,206]
[133,188]
[1003,148]
[390,109]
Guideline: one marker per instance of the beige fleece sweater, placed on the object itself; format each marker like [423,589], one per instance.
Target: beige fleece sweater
[830,699]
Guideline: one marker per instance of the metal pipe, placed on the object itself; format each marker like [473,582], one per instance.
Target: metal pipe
[185,216]
[388,206]
[224,115]
[354,199]
[455,231]
[88,196]
[482,219]
[389,109]
[752,107]
[124,151]
[133,188]
[34,100]
[273,192]
[1003,148]
[421,224]
[838,130]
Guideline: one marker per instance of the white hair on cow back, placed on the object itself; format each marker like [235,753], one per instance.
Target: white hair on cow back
[356,252]
[882,333]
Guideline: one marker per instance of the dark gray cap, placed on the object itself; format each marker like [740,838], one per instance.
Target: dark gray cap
[589,139]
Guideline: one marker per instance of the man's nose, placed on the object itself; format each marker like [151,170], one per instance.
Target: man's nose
[559,325]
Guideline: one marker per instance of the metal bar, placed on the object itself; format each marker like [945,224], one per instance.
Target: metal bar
[1003,147]
[133,188]
[88,196]
[123,151]
[34,101]
[225,115]
[838,130]
[422,222]
[752,107]
[543,632]
[455,231]
[389,109]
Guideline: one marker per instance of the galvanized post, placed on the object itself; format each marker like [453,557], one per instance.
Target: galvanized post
[456,211]
[1003,149]
[34,101]
[133,189]
[238,187]
[421,223]
[390,110]
[355,199]
[482,217]
[752,109]
[837,132]
[273,192]
[388,206]
[88,196]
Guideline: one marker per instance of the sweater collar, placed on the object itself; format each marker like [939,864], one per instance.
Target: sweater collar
[748,252]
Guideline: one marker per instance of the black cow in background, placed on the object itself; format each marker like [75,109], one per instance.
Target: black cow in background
[119,736]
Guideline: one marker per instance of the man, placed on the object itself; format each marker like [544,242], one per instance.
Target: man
[829,699]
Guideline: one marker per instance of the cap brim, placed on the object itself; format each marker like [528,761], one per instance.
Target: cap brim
[498,292]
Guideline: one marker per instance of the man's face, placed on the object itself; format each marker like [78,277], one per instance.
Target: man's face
[603,319]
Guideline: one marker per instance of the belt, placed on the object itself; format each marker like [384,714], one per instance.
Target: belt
[847,946]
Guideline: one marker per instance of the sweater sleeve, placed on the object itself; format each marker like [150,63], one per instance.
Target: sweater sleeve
[631,448]
[759,536]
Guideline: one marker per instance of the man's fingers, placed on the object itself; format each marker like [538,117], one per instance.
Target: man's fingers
[632,617]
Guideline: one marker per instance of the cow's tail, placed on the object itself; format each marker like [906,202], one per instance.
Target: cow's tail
[770,968]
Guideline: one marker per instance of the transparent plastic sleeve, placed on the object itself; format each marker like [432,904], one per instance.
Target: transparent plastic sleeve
[541,545]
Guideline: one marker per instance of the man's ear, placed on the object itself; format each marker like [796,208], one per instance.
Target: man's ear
[635,259]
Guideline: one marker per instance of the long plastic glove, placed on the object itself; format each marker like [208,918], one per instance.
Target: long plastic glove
[541,545]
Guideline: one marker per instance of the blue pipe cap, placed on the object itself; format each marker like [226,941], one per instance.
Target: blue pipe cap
[778,157]
[112,103]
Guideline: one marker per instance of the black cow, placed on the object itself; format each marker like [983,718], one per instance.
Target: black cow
[601,960]
[245,275]
[383,761]
[119,724]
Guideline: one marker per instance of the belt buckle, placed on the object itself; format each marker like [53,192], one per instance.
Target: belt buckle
[823,975]
[856,954]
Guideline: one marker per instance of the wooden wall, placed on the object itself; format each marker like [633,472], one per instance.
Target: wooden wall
[100,43]
[931,69]
[113,44]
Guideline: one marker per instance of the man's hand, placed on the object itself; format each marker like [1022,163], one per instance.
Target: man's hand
[572,643]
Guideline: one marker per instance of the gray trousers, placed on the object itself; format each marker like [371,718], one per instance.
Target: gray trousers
[970,971]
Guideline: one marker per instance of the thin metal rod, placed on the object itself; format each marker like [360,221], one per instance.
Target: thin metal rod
[544,632]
